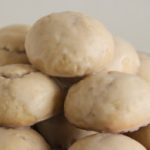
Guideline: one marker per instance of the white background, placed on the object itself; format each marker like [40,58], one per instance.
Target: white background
[129,19]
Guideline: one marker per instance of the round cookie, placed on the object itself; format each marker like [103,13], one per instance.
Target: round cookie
[109,102]
[22,139]
[69,44]
[126,58]
[60,133]
[144,71]
[142,136]
[107,141]
[12,39]
[26,96]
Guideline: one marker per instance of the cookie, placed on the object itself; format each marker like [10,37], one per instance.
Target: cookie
[144,71]
[60,133]
[109,102]
[105,141]
[125,59]
[142,136]
[12,39]
[26,96]
[69,44]
[22,139]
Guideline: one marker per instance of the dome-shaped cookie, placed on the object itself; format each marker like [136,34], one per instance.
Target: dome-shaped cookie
[113,101]
[60,133]
[12,39]
[142,136]
[21,139]
[125,58]
[144,69]
[106,141]
[26,96]
[69,44]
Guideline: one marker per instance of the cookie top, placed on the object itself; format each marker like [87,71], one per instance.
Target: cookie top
[26,96]
[12,39]
[142,136]
[125,59]
[21,139]
[144,71]
[69,44]
[109,102]
[60,133]
[105,141]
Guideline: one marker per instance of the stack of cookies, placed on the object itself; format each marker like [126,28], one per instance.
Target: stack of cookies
[67,83]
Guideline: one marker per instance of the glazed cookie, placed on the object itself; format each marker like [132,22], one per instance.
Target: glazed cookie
[126,58]
[144,71]
[60,133]
[142,135]
[21,139]
[109,102]
[26,96]
[69,44]
[12,50]
[106,141]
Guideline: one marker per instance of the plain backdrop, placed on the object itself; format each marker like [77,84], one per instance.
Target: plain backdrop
[129,19]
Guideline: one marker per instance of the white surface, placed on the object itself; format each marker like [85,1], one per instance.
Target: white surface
[129,19]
